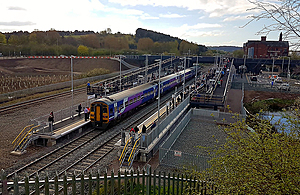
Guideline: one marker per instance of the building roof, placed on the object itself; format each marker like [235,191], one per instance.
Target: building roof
[270,43]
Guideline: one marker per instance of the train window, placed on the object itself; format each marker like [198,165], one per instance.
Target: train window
[121,106]
[135,99]
[131,101]
[139,97]
[111,111]
[104,109]
[142,96]
[126,104]
[116,109]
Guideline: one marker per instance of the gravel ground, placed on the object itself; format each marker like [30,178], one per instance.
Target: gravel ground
[198,136]
[10,128]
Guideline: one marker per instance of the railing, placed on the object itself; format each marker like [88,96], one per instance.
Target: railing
[17,140]
[59,116]
[129,183]
[135,147]
[21,145]
[148,138]
[124,150]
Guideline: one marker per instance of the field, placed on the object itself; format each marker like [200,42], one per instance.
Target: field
[17,74]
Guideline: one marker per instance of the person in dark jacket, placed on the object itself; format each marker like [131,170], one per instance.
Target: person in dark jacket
[79,109]
[51,121]
[144,129]
[136,129]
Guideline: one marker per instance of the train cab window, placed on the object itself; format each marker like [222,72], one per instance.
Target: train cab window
[111,111]
[104,109]
[121,106]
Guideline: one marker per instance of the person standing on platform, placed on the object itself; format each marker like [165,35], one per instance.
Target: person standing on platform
[51,121]
[79,110]
[86,112]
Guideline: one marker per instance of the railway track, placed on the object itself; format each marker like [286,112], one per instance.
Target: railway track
[38,100]
[84,152]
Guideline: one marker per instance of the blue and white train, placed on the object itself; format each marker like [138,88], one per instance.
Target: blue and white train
[109,110]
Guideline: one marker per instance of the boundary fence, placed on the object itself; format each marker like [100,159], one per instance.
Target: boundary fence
[129,183]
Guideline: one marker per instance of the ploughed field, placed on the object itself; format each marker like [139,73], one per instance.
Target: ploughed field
[18,74]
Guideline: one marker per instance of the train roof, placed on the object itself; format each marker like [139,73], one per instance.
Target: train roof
[129,92]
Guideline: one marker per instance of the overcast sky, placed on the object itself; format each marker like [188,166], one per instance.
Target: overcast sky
[208,22]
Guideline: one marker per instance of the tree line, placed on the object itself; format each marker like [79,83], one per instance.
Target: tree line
[52,42]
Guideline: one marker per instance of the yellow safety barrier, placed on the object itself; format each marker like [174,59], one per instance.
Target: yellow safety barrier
[133,149]
[27,134]
[21,133]
[124,149]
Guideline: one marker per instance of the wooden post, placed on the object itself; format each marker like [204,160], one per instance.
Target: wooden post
[65,184]
[169,175]
[4,182]
[159,182]
[143,182]
[105,183]
[119,183]
[149,183]
[154,182]
[90,184]
[164,184]
[138,182]
[131,183]
[112,183]
[47,184]
[125,181]
[26,183]
[74,184]
[37,184]
[16,185]
[56,184]
[173,184]
[181,183]
[82,184]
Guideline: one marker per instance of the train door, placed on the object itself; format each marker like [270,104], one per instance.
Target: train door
[116,109]
[99,114]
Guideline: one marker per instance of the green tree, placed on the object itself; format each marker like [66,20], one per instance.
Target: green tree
[238,53]
[145,44]
[260,161]
[2,38]
[83,50]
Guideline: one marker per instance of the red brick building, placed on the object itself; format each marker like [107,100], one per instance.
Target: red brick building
[266,49]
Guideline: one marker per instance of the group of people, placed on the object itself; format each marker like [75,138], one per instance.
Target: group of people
[86,116]
[86,112]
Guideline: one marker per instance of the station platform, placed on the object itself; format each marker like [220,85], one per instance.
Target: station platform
[62,130]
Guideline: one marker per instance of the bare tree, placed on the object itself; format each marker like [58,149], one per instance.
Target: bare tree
[285,18]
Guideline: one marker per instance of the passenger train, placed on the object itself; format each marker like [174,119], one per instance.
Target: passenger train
[110,109]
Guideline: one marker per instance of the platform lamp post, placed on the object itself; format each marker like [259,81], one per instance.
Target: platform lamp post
[158,102]
[120,72]
[146,68]
[289,73]
[72,86]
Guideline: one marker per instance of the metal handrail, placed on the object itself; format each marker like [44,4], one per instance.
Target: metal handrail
[133,149]
[124,149]
[27,134]
[21,133]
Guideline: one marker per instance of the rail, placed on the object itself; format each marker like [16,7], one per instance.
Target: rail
[20,135]
[136,145]
[124,150]
[19,146]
